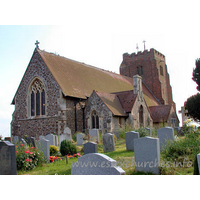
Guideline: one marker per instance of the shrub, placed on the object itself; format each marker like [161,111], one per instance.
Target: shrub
[28,157]
[142,132]
[53,150]
[187,147]
[66,147]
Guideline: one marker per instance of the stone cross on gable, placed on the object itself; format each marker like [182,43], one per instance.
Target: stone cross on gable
[37,44]
[183,112]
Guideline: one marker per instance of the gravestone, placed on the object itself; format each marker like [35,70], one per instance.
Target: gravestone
[61,138]
[42,137]
[149,131]
[94,135]
[22,141]
[8,164]
[31,141]
[56,140]
[147,154]
[15,139]
[79,139]
[117,135]
[165,134]
[90,147]
[108,142]
[51,138]
[130,136]
[68,134]
[96,164]
[43,145]
[198,161]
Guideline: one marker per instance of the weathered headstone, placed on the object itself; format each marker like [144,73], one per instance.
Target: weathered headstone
[96,164]
[15,139]
[108,142]
[22,141]
[79,139]
[8,164]
[94,135]
[165,134]
[90,147]
[43,145]
[51,139]
[117,135]
[147,154]
[31,141]
[68,134]
[198,161]
[130,136]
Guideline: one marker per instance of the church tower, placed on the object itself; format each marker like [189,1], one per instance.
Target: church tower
[151,66]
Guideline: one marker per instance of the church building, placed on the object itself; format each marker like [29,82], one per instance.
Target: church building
[56,92]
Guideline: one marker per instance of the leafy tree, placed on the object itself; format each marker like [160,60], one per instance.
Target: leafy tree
[196,74]
[193,106]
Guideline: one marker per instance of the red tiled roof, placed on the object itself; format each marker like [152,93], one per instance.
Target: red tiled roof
[127,99]
[160,113]
[112,102]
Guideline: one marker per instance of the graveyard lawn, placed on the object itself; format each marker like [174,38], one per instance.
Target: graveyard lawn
[125,159]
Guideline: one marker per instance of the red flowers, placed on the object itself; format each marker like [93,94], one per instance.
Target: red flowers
[27,160]
[28,152]
[54,158]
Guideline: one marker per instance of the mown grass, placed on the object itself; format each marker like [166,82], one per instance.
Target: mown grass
[125,159]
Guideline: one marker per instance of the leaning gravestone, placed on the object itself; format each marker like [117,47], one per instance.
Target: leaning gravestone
[108,142]
[165,134]
[130,136]
[31,141]
[51,138]
[68,134]
[43,145]
[8,164]
[79,139]
[90,147]
[94,135]
[147,154]
[96,164]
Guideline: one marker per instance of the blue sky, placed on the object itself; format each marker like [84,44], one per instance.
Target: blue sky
[98,34]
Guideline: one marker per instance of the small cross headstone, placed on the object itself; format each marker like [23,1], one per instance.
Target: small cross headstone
[96,164]
[8,164]
[108,142]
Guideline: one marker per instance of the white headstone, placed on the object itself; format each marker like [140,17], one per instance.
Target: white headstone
[147,154]
[79,139]
[67,132]
[165,134]
[51,139]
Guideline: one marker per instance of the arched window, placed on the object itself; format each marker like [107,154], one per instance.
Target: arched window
[95,120]
[37,98]
[141,115]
